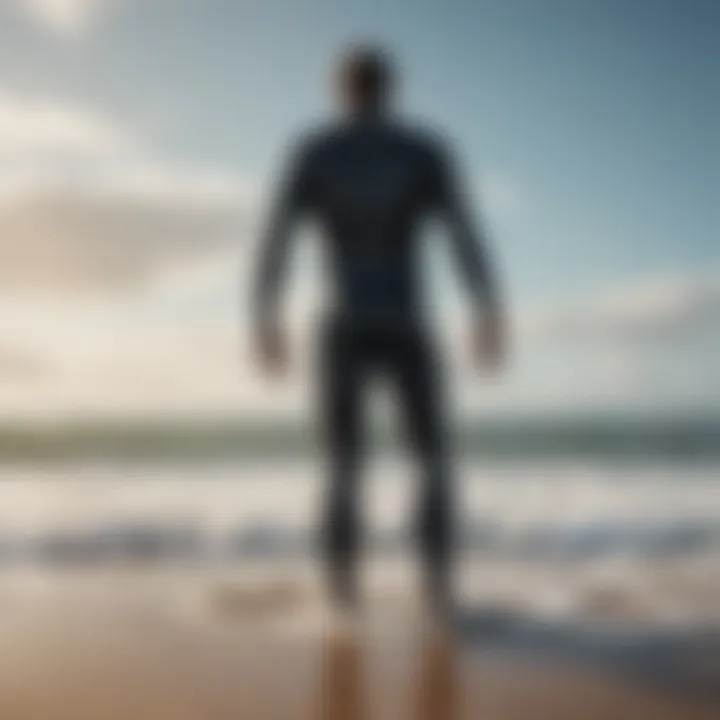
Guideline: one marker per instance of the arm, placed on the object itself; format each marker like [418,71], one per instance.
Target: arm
[470,247]
[288,205]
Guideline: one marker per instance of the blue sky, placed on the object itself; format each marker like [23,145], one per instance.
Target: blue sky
[589,129]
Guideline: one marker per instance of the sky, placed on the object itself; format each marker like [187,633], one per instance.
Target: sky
[139,140]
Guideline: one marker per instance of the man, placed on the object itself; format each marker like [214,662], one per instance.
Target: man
[370,180]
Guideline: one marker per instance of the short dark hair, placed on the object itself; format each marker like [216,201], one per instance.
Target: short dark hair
[367,72]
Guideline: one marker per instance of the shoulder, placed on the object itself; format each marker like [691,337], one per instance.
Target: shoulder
[299,152]
[314,142]
[430,144]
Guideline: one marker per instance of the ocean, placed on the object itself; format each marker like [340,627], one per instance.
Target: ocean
[631,532]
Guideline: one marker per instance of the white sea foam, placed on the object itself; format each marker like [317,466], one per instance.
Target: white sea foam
[634,541]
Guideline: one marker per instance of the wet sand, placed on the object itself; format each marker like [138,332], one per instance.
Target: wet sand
[81,646]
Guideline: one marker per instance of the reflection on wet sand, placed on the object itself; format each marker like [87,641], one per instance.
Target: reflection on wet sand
[344,692]
[116,647]
[434,687]
[341,681]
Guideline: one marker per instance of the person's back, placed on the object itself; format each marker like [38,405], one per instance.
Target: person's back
[371,181]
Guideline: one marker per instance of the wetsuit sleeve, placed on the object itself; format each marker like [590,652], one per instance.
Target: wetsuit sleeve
[289,203]
[466,232]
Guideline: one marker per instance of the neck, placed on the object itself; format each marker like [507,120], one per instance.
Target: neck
[367,115]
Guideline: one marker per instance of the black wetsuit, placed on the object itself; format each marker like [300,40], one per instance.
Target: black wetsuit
[371,184]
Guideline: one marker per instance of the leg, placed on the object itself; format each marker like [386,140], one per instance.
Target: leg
[340,381]
[418,376]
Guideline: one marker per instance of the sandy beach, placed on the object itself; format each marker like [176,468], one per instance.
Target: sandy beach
[185,594]
[181,646]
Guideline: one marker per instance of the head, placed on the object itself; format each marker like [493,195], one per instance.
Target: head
[365,81]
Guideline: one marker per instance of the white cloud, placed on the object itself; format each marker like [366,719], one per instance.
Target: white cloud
[32,126]
[65,17]
[652,310]
[75,242]
[184,348]
[83,203]
[106,251]
[650,346]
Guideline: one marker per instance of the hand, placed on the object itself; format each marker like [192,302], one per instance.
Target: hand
[272,351]
[489,345]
